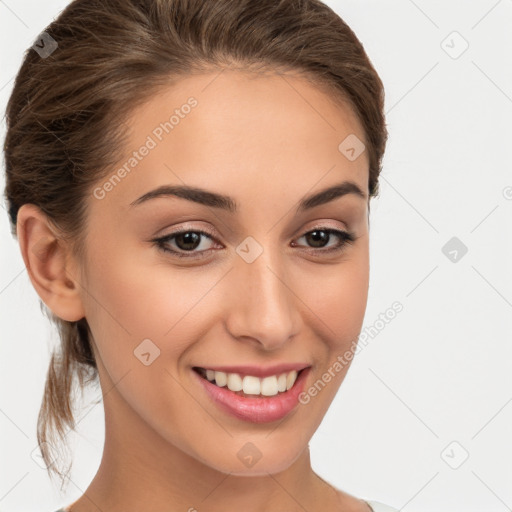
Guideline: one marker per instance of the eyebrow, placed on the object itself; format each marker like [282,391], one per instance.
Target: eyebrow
[227,203]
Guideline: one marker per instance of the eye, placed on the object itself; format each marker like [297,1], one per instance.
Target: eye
[186,241]
[320,237]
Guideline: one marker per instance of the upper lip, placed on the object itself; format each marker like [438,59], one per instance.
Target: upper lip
[258,371]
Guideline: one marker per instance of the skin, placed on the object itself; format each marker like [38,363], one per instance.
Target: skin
[267,142]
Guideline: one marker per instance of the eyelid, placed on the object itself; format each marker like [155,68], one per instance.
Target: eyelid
[325,225]
[345,236]
[189,226]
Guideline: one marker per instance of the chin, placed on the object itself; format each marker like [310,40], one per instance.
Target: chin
[276,461]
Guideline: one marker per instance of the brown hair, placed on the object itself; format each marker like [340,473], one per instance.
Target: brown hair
[66,111]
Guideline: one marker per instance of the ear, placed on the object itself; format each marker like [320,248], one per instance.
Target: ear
[49,263]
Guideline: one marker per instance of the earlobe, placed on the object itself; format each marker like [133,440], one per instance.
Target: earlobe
[47,261]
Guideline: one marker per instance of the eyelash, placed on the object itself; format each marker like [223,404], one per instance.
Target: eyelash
[346,237]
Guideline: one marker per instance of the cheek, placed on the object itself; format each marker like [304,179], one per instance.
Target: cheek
[128,304]
[337,298]
[129,300]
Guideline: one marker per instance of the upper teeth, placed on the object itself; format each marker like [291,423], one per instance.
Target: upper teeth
[268,386]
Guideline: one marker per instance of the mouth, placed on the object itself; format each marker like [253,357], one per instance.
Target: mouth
[251,386]
[251,398]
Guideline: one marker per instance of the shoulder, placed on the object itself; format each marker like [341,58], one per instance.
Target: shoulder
[380,507]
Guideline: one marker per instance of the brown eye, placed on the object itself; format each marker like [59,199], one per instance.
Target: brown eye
[320,237]
[186,241]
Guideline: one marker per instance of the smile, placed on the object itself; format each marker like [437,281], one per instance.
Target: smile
[249,402]
[250,384]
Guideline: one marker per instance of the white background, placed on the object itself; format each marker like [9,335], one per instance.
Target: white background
[436,376]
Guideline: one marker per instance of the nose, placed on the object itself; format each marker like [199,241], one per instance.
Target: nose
[262,305]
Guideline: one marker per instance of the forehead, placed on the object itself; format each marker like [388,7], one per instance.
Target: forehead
[239,130]
[232,99]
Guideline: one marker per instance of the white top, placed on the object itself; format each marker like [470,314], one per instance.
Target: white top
[380,507]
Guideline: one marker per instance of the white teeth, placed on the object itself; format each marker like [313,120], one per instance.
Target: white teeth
[290,380]
[268,386]
[221,379]
[234,381]
[281,382]
[252,385]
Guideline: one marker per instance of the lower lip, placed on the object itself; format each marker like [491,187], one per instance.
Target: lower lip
[256,410]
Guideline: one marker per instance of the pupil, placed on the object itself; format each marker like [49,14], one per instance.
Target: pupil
[319,236]
[190,238]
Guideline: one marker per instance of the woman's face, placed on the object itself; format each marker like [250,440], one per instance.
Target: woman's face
[267,284]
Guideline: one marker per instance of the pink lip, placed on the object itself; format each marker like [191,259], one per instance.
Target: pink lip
[257,410]
[259,371]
